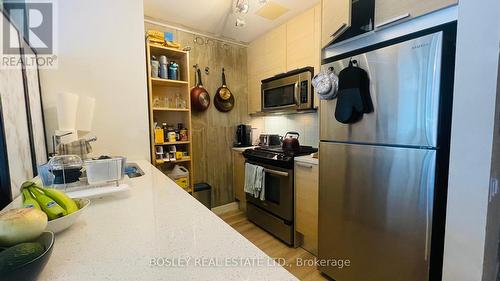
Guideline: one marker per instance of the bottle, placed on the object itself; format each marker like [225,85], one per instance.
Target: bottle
[163,67]
[184,134]
[165,132]
[173,71]
[159,136]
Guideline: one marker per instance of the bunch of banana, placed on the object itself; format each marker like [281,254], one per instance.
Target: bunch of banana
[53,202]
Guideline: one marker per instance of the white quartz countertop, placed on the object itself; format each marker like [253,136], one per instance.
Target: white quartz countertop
[121,237]
[308,159]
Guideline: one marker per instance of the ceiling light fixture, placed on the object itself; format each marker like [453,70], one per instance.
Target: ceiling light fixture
[242,6]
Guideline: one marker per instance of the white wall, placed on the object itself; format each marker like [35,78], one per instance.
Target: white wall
[102,55]
[472,138]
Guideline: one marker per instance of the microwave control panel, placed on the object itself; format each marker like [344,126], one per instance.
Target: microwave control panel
[304,92]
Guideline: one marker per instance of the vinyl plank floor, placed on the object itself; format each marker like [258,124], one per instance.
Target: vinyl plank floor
[273,247]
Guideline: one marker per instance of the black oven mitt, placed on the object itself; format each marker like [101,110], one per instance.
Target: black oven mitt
[353,98]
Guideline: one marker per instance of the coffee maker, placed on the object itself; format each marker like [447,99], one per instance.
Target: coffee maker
[243,136]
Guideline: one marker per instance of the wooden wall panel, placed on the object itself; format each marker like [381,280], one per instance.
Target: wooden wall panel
[213,131]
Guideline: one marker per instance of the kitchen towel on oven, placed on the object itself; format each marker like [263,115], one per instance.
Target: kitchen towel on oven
[254,180]
[353,98]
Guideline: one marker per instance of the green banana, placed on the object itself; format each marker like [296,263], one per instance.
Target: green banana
[29,201]
[62,199]
[48,205]
[27,184]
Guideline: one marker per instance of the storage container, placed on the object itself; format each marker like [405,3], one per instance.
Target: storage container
[180,175]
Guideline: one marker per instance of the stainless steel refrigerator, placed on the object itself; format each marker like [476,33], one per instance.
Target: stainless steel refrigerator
[383,180]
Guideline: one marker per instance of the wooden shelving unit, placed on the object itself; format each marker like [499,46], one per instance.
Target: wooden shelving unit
[161,88]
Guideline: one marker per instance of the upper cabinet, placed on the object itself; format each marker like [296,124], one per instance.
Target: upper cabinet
[336,19]
[266,58]
[391,11]
[293,45]
[300,45]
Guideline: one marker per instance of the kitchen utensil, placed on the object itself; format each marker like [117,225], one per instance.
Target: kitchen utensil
[200,98]
[291,144]
[65,222]
[30,270]
[326,84]
[224,99]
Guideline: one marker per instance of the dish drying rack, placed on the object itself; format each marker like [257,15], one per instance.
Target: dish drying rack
[96,177]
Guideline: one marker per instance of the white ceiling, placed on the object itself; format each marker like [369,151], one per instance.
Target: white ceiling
[216,17]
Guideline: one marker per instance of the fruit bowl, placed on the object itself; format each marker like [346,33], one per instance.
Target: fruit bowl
[63,223]
[31,269]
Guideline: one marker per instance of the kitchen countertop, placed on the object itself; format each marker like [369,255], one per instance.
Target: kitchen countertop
[119,236]
[307,159]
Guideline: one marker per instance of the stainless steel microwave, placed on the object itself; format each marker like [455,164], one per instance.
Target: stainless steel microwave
[289,91]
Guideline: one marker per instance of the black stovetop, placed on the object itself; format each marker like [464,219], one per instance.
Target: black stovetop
[274,155]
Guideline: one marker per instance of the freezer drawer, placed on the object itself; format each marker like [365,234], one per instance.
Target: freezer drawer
[405,89]
[375,209]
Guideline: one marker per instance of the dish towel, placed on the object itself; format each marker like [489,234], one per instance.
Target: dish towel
[255,181]
[80,147]
[250,171]
[260,186]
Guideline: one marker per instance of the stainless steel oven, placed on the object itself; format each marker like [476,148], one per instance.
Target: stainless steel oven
[290,91]
[275,213]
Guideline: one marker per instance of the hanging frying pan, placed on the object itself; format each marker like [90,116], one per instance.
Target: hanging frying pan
[224,99]
[200,98]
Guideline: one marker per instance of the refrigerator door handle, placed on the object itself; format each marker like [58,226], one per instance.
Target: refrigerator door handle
[430,166]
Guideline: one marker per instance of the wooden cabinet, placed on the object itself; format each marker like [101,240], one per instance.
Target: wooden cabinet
[300,41]
[266,58]
[293,45]
[336,18]
[306,205]
[390,11]
[239,178]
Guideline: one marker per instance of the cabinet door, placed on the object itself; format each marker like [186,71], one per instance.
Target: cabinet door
[266,58]
[239,178]
[306,205]
[390,11]
[300,43]
[336,18]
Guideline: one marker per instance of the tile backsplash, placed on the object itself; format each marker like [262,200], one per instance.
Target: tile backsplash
[307,125]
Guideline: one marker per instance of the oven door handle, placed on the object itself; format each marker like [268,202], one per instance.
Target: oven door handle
[274,172]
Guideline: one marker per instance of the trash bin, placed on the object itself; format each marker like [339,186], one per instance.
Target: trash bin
[203,193]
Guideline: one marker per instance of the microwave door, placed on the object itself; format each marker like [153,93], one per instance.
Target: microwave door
[282,97]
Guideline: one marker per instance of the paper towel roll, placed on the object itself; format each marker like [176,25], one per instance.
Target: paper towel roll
[85,114]
[67,106]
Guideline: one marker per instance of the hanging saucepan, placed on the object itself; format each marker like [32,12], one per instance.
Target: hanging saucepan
[224,99]
[200,98]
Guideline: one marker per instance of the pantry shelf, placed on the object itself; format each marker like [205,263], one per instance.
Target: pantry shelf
[159,162]
[168,82]
[171,109]
[173,143]
[160,89]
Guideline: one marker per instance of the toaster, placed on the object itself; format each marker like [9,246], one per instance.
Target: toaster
[269,140]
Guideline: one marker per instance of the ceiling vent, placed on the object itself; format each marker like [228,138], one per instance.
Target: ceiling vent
[272,11]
